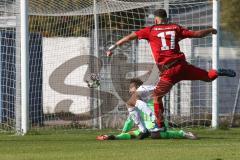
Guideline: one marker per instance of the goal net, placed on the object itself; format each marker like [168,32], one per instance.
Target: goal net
[67,43]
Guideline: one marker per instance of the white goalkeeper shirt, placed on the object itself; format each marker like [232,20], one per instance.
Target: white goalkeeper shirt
[145,92]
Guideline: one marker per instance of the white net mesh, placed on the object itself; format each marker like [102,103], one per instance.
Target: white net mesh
[63,55]
[8,47]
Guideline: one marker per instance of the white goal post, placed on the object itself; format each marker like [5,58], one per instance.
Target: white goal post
[24,65]
[215,59]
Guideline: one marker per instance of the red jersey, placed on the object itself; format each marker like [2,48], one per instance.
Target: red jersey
[164,40]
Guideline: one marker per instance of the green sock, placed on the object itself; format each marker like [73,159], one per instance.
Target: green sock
[123,136]
[172,134]
[128,125]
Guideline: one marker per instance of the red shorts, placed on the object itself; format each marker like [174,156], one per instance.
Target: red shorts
[185,71]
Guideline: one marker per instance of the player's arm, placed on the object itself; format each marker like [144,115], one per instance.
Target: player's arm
[185,33]
[140,34]
[125,39]
[203,33]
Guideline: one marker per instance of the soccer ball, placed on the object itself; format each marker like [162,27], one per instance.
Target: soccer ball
[93,80]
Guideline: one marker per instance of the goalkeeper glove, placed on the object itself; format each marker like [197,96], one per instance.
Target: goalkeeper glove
[110,49]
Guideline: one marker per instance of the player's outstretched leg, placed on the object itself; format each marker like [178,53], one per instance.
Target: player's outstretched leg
[195,73]
[173,134]
[226,72]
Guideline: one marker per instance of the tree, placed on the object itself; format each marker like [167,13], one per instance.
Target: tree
[230,19]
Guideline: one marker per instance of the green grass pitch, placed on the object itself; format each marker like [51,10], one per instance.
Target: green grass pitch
[81,145]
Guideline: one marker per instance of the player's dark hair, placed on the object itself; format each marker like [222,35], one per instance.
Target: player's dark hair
[160,13]
[138,82]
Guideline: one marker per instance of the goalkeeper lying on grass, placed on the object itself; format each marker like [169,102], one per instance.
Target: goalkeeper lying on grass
[128,133]
[146,117]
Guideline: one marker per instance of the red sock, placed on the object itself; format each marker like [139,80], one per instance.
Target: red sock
[157,111]
[212,74]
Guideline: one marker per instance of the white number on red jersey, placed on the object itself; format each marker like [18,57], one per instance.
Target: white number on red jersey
[162,35]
